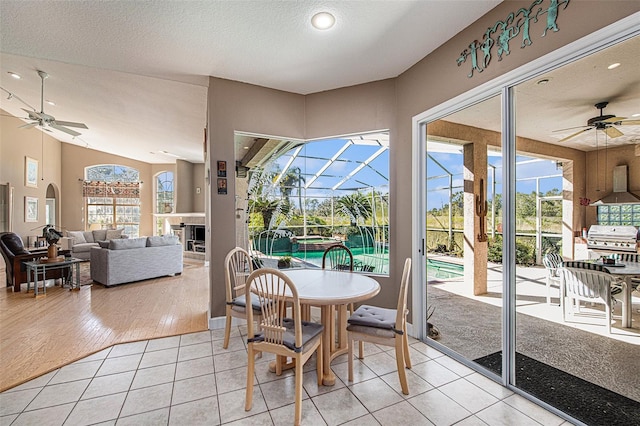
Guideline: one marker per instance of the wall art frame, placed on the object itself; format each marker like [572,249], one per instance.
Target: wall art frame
[30,209]
[30,172]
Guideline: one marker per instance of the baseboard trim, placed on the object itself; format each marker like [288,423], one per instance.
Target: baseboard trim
[219,322]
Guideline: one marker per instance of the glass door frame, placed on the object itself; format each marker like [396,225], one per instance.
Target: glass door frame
[504,86]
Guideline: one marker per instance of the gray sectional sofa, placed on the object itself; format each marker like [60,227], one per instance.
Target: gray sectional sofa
[134,259]
[83,241]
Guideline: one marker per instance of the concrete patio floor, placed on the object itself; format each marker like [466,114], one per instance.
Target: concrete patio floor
[472,326]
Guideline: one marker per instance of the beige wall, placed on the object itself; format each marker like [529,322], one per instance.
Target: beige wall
[15,145]
[235,106]
[350,110]
[601,176]
[199,184]
[184,184]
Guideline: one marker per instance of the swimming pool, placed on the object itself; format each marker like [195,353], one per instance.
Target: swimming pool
[364,256]
[443,270]
[436,269]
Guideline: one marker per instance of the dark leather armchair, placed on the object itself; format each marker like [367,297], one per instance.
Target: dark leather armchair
[15,254]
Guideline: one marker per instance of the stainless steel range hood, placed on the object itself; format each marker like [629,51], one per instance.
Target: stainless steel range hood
[620,194]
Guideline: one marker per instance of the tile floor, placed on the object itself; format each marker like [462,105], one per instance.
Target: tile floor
[192,380]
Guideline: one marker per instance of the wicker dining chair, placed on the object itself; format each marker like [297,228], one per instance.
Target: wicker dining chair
[339,257]
[238,267]
[280,335]
[382,326]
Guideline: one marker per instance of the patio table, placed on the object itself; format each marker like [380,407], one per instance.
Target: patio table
[626,271]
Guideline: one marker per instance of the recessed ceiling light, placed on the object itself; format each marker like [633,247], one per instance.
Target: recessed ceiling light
[636,115]
[612,66]
[543,81]
[50,102]
[14,75]
[323,20]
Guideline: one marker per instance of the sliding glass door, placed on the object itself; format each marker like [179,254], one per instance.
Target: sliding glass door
[464,232]
[524,168]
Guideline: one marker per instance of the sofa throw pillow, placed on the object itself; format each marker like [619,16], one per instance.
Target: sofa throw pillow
[104,244]
[78,237]
[99,235]
[112,234]
[165,240]
[127,243]
[88,237]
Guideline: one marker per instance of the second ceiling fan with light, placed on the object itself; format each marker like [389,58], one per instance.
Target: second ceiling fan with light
[606,123]
[45,120]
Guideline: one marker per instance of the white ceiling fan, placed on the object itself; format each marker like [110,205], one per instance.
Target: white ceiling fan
[46,120]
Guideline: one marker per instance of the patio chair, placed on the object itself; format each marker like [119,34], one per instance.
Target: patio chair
[589,285]
[551,262]
[280,335]
[337,256]
[382,326]
[238,266]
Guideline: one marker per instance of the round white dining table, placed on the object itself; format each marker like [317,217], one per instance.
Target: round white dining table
[331,290]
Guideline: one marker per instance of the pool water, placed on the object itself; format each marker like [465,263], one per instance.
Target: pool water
[436,269]
[443,270]
[379,261]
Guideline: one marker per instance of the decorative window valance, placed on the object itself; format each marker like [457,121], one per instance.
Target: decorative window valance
[101,189]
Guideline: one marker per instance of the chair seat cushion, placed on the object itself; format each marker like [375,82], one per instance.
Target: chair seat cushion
[310,330]
[241,302]
[372,331]
[374,316]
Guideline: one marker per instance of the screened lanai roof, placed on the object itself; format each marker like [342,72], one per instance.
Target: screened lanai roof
[324,166]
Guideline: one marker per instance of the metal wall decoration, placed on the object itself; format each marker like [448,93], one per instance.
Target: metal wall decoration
[502,32]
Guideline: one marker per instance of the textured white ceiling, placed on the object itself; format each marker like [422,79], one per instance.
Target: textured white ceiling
[136,71]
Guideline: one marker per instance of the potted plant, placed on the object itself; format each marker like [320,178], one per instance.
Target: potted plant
[284,262]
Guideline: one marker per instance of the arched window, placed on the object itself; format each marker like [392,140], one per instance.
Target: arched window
[112,198]
[164,199]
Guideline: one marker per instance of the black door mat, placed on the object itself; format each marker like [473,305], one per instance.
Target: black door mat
[582,400]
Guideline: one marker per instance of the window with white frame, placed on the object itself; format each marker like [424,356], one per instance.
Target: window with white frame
[164,198]
[112,198]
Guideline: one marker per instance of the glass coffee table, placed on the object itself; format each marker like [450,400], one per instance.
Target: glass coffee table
[39,267]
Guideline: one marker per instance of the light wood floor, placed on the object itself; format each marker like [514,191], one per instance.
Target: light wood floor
[40,335]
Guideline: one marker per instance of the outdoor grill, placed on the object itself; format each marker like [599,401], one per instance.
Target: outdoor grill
[612,238]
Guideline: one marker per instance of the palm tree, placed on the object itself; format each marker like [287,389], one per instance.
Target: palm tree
[265,207]
[290,180]
[355,206]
